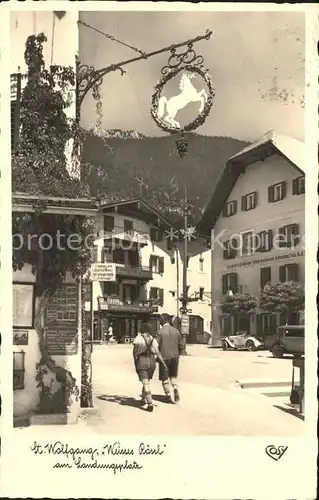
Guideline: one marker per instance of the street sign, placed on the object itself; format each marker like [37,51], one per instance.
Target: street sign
[185,324]
[103,272]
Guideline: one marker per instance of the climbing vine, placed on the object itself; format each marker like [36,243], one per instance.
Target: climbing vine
[40,167]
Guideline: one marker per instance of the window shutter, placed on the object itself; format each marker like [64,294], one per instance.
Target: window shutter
[224,284]
[282,240]
[284,190]
[295,186]
[161,296]
[259,328]
[225,210]
[235,207]
[161,265]
[233,282]
[296,235]
[233,250]
[270,239]
[270,194]
[151,262]
[225,250]
[293,272]
[255,199]
[262,278]
[282,274]
[273,323]
[244,203]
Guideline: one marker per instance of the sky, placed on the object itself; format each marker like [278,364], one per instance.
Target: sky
[255,59]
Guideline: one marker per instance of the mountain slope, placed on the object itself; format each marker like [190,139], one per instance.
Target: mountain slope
[127,165]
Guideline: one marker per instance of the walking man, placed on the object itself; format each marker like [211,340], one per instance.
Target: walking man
[170,346]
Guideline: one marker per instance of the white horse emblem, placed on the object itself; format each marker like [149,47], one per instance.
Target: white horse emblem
[174,104]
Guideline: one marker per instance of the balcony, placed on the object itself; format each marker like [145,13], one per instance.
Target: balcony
[141,272]
[117,305]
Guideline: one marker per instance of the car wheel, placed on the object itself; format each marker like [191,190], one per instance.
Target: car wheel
[251,346]
[277,351]
[224,345]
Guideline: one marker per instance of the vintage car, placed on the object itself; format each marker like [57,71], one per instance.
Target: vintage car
[289,339]
[242,340]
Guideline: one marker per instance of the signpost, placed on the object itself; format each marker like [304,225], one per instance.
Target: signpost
[101,271]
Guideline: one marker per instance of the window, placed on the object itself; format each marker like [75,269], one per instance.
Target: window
[230,208]
[298,185]
[133,258]
[111,288]
[265,276]
[18,370]
[230,249]
[276,192]
[108,224]
[266,324]
[289,236]
[249,201]
[157,296]
[230,283]
[226,325]
[23,305]
[247,244]
[128,226]
[265,241]
[118,256]
[201,264]
[288,273]
[156,234]
[157,264]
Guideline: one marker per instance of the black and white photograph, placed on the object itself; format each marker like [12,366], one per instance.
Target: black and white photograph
[163,236]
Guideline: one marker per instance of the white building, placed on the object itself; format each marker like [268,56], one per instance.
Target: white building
[258,200]
[148,272]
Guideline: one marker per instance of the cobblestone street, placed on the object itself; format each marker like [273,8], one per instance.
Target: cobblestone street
[212,402]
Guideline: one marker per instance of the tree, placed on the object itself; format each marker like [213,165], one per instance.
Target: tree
[239,305]
[286,298]
[39,167]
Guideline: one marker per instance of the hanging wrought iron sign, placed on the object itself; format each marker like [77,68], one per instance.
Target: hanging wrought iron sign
[187,66]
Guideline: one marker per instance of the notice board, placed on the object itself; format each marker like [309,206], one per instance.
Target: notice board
[61,321]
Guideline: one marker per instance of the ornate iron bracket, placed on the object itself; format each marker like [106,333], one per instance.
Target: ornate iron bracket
[88,76]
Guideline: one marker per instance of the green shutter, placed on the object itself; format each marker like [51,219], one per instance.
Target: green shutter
[282,274]
[270,194]
[244,203]
[295,186]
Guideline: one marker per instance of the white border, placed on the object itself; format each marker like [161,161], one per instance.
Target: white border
[192,467]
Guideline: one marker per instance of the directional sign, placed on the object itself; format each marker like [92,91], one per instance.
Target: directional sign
[103,272]
[185,324]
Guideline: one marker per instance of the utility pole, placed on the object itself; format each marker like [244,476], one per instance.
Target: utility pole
[184,298]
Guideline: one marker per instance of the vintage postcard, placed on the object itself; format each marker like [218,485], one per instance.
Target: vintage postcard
[159,174]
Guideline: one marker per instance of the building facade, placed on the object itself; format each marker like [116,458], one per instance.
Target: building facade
[148,272]
[257,222]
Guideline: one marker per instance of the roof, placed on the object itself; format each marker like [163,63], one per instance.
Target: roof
[269,144]
[22,202]
[137,208]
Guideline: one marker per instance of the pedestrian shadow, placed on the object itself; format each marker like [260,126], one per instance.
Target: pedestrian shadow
[121,400]
[161,398]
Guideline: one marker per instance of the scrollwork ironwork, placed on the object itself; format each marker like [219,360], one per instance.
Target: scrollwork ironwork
[188,57]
